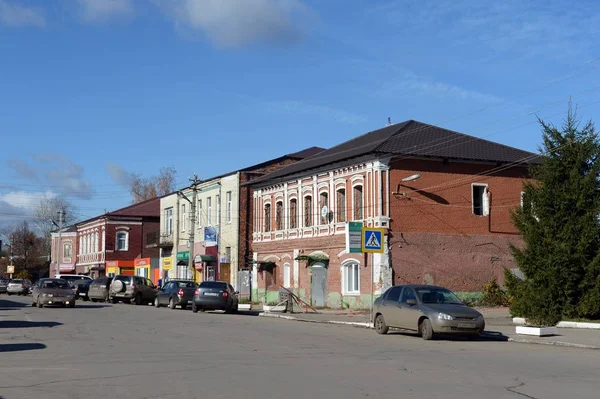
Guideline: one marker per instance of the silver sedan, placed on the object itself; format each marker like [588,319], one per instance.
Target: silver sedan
[427,310]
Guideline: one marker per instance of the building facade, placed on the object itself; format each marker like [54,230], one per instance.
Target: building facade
[443,198]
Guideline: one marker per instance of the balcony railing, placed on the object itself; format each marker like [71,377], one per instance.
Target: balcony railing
[157,239]
[94,257]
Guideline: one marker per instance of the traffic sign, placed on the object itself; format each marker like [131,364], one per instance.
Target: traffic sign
[354,237]
[372,239]
[10,269]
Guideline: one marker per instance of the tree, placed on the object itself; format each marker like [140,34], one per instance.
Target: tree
[27,248]
[46,214]
[559,225]
[143,189]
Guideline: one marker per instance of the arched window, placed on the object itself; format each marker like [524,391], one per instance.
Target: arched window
[308,211]
[341,205]
[67,250]
[351,277]
[357,203]
[267,217]
[286,275]
[324,207]
[279,215]
[293,213]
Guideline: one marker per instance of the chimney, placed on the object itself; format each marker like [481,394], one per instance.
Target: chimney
[389,122]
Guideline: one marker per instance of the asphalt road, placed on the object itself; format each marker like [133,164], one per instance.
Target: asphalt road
[127,351]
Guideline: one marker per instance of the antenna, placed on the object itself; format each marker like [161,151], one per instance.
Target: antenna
[389,122]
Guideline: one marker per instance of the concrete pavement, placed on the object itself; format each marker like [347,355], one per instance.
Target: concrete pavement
[105,351]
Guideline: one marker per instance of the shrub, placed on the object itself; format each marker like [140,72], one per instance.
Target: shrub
[494,295]
[470,298]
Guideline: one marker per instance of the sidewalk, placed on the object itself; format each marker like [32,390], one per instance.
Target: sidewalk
[499,327]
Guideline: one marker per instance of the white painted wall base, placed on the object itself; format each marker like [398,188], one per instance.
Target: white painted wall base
[564,324]
[268,308]
[537,331]
[244,306]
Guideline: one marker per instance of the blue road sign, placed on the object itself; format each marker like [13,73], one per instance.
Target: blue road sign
[372,239]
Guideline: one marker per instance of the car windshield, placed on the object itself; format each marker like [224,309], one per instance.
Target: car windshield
[186,284]
[55,284]
[437,295]
[16,281]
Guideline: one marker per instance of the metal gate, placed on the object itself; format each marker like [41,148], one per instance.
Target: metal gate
[244,284]
[318,285]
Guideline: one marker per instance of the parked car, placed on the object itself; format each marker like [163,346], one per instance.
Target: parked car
[215,295]
[81,288]
[52,291]
[132,289]
[176,293]
[427,310]
[98,289]
[3,286]
[18,286]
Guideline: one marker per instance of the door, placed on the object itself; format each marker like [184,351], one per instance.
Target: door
[409,314]
[318,285]
[390,307]
[163,293]
[225,272]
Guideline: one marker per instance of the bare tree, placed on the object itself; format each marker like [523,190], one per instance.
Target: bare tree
[143,189]
[27,248]
[46,214]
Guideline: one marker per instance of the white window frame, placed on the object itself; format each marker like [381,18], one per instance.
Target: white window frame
[65,245]
[312,207]
[183,217]
[126,241]
[362,186]
[287,275]
[209,211]
[200,214]
[229,206]
[169,221]
[485,203]
[289,215]
[146,272]
[346,265]
[80,249]
[320,208]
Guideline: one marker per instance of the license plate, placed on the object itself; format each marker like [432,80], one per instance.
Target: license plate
[211,294]
[81,294]
[466,325]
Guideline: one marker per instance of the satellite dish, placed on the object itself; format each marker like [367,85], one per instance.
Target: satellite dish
[411,178]
[324,211]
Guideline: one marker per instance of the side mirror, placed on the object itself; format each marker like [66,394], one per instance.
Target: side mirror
[411,302]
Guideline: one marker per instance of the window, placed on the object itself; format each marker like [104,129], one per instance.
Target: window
[218,210]
[95,242]
[308,211]
[87,245]
[200,214]
[267,217]
[169,221]
[209,211]
[351,278]
[67,250]
[122,241]
[357,195]
[141,271]
[80,249]
[481,203]
[278,215]
[293,213]
[229,204]
[183,217]
[341,205]
[286,275]
[407,294]
[394,294]
[227,254]
[323,201]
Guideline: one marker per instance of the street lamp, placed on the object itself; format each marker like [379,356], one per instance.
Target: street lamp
[403,194]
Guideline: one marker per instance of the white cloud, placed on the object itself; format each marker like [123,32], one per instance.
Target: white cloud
[101,10]
[119,174]
[16,15]
[25,200]
[298,107]
[233,23]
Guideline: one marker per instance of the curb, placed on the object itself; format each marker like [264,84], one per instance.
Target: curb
[370,326]
[565,324]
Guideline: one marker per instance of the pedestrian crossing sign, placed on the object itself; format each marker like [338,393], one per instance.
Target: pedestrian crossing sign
[372,239]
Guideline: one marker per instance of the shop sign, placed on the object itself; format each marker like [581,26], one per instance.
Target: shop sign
[185,255]
[167,263]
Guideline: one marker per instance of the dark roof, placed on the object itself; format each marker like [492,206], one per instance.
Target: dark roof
[410,138]
[148,208]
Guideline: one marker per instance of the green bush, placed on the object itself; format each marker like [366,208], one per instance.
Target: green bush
[470,298]
[494,295]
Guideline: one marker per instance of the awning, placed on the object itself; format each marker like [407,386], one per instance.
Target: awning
[66,267]
[310,259]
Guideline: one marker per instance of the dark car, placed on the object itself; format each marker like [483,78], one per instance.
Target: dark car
[53,291]
[132,289]
[81,288]
[3,286]
[215,295]
[176,293]
[98,289]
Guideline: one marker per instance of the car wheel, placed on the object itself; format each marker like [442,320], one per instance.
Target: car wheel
[426,330]
[380,326]
[194,308]
[156,304]
[137,300]
[72,304]
[39,303]
[94,300]
[171,304]
[113,300]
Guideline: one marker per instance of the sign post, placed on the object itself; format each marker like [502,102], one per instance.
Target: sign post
[372,242]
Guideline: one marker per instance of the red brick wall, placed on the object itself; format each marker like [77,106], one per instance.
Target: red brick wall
[137,241]
[435,238]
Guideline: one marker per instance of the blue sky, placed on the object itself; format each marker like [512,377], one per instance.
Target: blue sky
[91,90]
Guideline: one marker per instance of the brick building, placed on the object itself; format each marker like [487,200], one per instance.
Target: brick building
[109,244]
[443,197]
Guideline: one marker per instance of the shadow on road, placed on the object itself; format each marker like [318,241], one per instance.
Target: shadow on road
[487,336]
[77,306]
[7,304]
[20,347]
[28,324]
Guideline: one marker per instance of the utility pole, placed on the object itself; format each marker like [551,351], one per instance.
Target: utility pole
[61,217]
[195,182]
